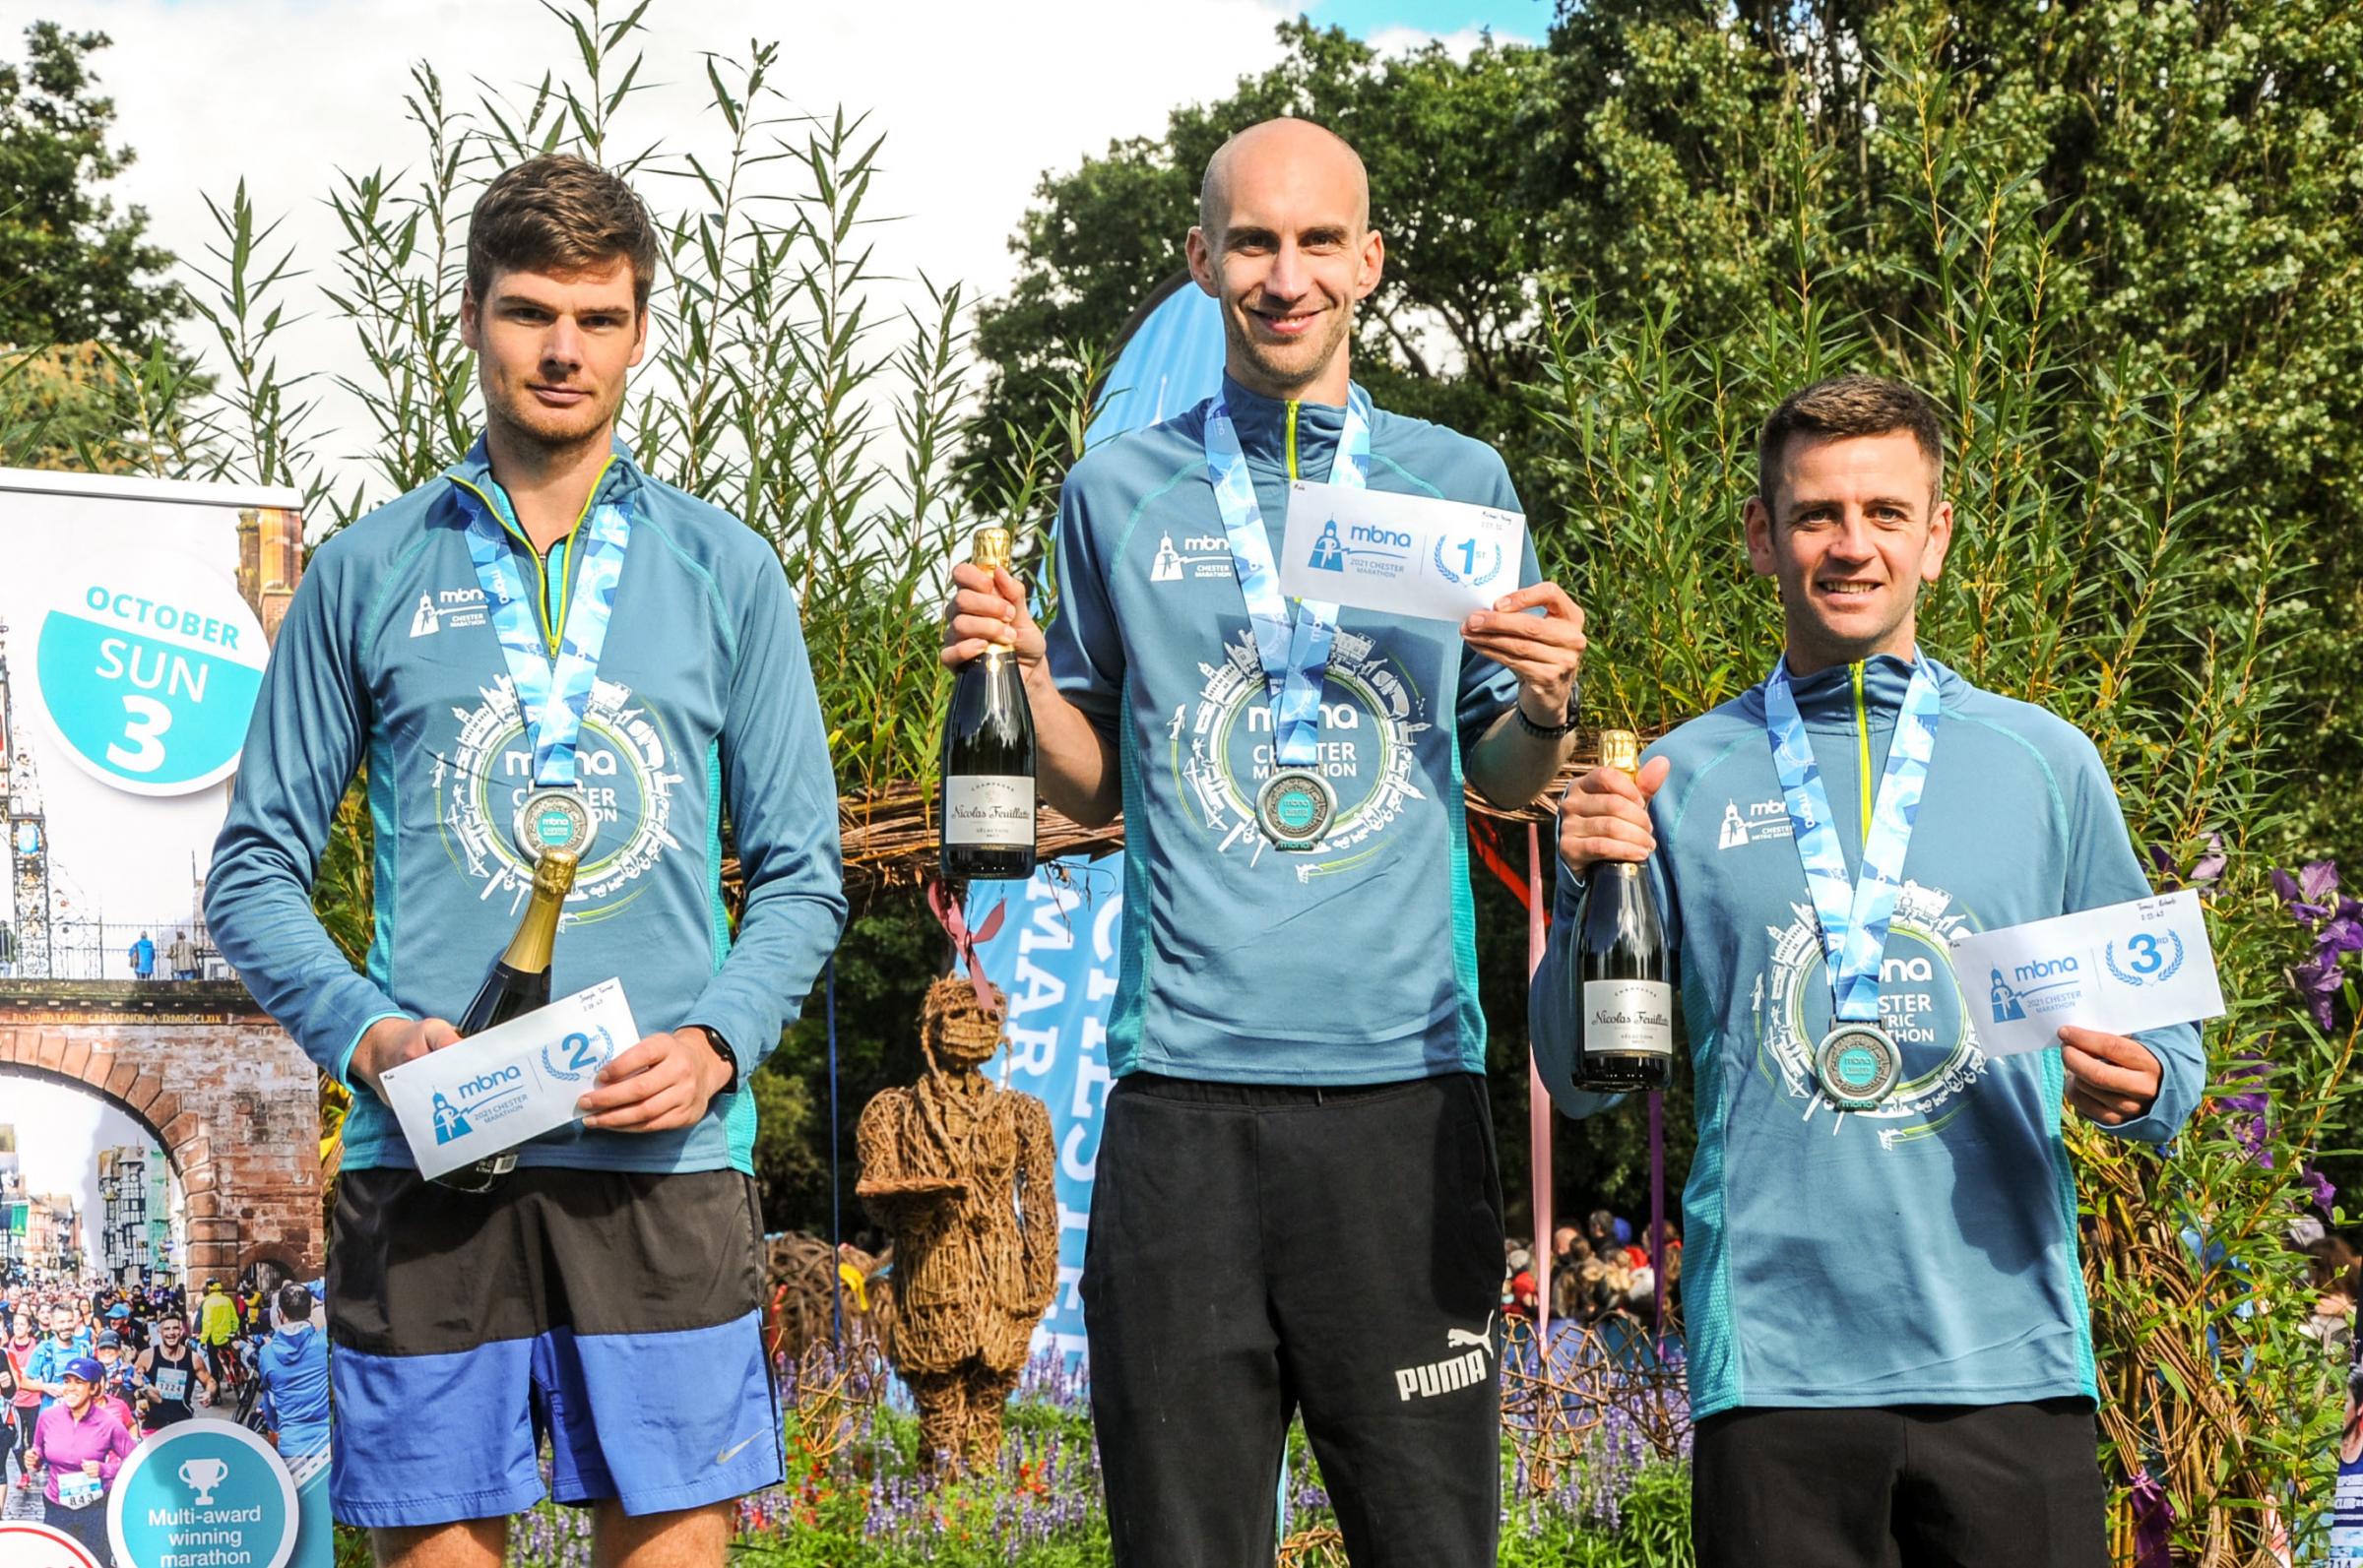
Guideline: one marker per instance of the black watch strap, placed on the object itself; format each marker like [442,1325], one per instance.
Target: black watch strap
[1567,725]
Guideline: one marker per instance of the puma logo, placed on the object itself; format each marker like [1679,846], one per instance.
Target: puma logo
[1469,1367]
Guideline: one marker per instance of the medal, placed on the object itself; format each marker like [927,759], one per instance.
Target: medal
[1858,1066]
[1296,808]
[553,818]
[1858,1063]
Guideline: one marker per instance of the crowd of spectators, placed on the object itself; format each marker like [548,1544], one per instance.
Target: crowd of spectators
[1597,1270]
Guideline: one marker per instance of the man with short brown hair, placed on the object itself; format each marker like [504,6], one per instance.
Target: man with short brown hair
[544,640]
[1891,1358]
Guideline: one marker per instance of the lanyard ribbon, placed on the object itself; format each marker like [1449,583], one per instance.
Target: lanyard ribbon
[964,942]
[1294,653]
[1853,916]
[551,698]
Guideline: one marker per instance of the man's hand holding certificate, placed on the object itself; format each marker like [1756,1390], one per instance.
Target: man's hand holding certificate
[495,1090]
[1438,560]
[2087,982]
[1400,554]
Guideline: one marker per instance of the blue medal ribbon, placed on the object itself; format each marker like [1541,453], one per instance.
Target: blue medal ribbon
[551,695]
[1853,916]
[1294,653]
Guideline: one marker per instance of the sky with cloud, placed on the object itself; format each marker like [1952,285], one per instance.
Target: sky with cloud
[977,101]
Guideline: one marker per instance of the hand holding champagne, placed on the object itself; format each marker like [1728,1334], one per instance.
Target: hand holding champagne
[1604,816]
[1618,982]
[989,754]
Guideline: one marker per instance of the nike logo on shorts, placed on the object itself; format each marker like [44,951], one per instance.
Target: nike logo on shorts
[731,1453]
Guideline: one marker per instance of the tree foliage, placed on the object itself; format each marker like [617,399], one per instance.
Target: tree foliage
[2196,164]
[73,270]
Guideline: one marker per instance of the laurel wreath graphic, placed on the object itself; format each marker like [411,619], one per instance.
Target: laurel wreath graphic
[2108,956]
[1455,578]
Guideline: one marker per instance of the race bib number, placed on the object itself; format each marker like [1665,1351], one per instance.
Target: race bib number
[172,1383]
[75,1490]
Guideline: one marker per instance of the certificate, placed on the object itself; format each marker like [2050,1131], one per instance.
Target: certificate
[1399,555]
[2124,967]
[514,1081]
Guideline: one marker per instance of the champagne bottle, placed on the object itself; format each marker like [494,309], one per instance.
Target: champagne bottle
[518,984]
[1622,1004]
[988,804]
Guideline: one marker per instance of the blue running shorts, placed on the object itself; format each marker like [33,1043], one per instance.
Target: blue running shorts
[616,1313]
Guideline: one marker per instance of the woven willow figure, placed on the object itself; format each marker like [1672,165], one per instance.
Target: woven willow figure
[960,1172]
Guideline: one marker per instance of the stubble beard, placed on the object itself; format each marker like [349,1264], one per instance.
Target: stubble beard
[1290,374]
[531,427]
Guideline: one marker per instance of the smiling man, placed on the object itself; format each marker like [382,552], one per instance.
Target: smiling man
[544,628]
[1891,1358]
[1295,1205]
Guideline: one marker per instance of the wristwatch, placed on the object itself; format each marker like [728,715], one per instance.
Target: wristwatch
[1566,724]
[723,1050]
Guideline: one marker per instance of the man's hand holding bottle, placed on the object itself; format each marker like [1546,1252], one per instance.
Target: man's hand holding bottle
[1604,816]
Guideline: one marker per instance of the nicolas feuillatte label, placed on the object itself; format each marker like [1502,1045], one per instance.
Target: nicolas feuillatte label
[1636,1017]
[988,808]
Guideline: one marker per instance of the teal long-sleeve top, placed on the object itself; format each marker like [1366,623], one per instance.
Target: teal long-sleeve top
[703,706]
[1924,1252]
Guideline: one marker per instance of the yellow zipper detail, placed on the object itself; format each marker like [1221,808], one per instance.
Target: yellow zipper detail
[1292,438]
[554,635]
[1862,737]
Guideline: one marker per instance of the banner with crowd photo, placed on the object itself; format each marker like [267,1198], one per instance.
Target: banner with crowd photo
[1055,957]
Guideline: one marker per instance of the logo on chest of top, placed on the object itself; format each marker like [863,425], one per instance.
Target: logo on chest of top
[1921,1006]
[455,607]
[1220,749]
[625,769]
[1195,555]
[1752,824]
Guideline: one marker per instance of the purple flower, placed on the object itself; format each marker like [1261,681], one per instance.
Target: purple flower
[2205,871]
[2309,893]
[2318,984]
[2323,1191]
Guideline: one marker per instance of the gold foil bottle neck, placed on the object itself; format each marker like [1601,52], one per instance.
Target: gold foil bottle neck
[991,548]
[553,874]
[1620,749]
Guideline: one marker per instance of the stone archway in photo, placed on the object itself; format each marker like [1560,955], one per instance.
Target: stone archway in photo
[231,1101]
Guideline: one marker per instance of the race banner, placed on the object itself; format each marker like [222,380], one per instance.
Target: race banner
[1056,957]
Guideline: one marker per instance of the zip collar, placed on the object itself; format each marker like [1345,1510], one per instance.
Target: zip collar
[1297,438]
[553,593]
[1861,697]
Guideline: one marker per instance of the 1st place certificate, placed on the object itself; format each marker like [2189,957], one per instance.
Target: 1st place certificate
[1399,555]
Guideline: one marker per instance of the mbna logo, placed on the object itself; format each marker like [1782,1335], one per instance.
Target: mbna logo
[2045,968]
[1364,533]
[486,1083]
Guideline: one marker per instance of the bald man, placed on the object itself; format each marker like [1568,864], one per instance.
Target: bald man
[1297,1205]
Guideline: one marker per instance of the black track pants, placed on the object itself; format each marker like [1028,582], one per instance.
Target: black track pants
[1908,1486]
[1257,1251]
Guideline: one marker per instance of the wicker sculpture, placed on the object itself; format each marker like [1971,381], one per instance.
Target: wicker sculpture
[959,1171]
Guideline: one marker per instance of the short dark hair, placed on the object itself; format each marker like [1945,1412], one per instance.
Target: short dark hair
[559,214]
[295,1303]
[1848,406]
